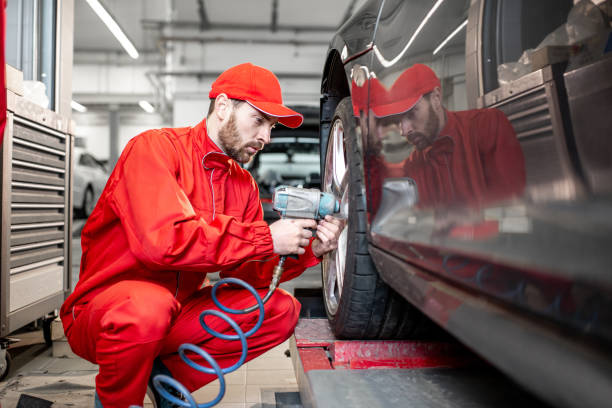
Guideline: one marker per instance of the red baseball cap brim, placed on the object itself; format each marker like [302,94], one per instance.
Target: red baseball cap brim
[396,108]
[285,116]
[260,88]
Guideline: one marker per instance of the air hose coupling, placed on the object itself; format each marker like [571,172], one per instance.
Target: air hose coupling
[277,273]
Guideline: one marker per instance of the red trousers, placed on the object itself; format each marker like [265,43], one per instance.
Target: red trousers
[126,326]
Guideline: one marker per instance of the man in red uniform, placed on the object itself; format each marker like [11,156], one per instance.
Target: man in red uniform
[466,158]
[177,206]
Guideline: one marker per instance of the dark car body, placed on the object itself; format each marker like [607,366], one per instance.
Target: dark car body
[524,278]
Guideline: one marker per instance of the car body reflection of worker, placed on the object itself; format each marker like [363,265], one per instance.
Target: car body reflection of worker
[465,158]
[375,131]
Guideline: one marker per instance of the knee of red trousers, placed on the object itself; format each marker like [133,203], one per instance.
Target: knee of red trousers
[144,314]
[127,312]
[123,328]
[285,309]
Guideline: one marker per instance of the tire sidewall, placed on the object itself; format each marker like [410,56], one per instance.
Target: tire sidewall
[87,197]
[357,221]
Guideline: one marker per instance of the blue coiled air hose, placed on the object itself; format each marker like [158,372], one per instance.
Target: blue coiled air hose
[161,382]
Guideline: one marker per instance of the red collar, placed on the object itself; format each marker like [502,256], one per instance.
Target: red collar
[442,145]
[212,155]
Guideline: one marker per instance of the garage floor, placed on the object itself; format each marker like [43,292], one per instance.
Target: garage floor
[69,381]
[56,375]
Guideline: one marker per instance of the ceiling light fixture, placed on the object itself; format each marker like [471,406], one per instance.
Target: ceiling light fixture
[450,37]
[146,106]
[113,27]
[386,63]
[78,107]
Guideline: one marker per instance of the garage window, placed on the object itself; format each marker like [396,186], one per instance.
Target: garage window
[30,41]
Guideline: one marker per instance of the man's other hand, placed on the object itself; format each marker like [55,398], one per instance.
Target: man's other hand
[328,232]
[291,236]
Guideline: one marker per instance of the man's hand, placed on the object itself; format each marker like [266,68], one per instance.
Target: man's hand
[289,236]
[328,232]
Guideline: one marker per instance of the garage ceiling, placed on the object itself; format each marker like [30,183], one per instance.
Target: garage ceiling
[142,19]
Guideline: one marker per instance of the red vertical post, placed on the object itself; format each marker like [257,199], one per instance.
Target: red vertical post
[2,68]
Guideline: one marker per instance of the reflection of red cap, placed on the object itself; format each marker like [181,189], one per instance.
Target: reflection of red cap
[379,97]
[259,88]
[408,88]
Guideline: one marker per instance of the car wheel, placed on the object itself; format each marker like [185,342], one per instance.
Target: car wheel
[358,303]
[47,322]
[89,202]
[5,364]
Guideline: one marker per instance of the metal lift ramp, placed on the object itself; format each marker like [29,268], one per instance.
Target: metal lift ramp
[403,373]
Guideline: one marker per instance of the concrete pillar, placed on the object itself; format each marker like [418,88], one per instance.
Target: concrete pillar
[113,125]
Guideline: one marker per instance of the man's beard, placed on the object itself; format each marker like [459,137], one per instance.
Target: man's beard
[229,137]
[424,139]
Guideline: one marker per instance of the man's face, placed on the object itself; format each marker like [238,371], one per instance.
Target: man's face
[246,132]
[381,129]
[420,125]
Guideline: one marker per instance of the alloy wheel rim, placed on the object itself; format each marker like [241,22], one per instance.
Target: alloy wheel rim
[336,182]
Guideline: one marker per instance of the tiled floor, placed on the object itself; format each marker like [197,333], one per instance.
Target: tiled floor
[253,384]
[69,382]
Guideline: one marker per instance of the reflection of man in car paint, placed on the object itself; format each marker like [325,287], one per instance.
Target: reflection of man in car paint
[460,158]
[371,94]
[375,130]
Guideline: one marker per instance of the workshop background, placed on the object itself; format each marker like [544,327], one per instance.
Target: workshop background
[182,47]
[423,305]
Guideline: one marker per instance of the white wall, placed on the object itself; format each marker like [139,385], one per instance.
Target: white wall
[95,129]
[110,79]
[191,93]
[189,111]
[119,82]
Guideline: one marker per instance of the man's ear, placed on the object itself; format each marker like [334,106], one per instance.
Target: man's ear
[436,98]
[223,107]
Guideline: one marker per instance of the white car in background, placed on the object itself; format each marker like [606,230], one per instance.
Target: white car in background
[89,178]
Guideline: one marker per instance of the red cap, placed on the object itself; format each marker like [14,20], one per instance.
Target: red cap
[379,97]
[408,89]
[259,88]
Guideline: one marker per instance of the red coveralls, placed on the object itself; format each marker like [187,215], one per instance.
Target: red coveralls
[477,160]
[174,208]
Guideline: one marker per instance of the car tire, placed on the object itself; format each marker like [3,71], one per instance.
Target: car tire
[89,202]
[47,324]
[358,303]
[5,364]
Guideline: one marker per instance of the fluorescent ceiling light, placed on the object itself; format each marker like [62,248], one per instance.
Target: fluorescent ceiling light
[386,63]
[114,28]
[146,106]
[77,106]
[454,33]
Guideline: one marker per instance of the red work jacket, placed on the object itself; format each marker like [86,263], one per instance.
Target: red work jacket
[175,208]
[477,160]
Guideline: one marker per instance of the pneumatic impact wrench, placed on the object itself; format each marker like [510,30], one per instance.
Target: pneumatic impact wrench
[294,202]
